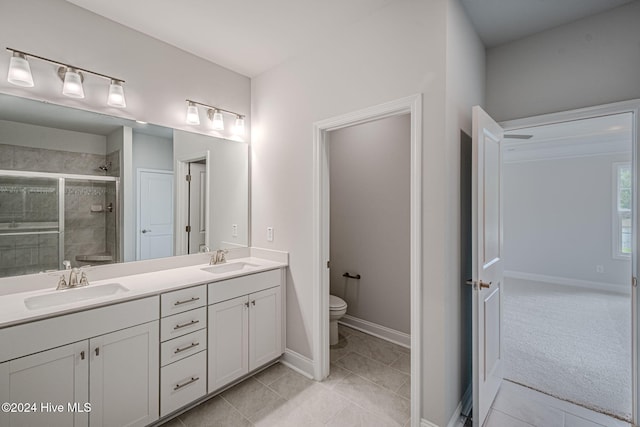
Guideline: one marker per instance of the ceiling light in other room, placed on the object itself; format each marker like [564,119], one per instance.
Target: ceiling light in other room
[116,94]
[238,129]
[20,71]
[193,118]
[72,86]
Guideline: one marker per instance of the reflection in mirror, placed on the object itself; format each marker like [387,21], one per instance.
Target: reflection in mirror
[92,189]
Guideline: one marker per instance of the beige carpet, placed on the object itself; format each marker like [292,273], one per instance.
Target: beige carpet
[569,342]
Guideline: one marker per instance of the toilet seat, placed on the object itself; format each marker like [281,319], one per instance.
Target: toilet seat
[336,303]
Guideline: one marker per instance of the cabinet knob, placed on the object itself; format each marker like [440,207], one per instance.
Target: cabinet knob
[97,350]
[82,355]
[253,302]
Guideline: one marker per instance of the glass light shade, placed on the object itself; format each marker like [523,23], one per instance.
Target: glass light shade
[19,71]
[116,95]
[193,118]
[218,121]
[72,86]
[239,127]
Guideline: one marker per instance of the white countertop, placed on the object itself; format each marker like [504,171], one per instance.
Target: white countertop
[13,310]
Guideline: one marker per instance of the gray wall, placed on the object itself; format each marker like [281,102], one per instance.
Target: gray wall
[370,179]
[589,62]
[404,48]
[558,218]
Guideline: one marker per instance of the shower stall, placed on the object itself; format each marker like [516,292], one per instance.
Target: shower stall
[49,218]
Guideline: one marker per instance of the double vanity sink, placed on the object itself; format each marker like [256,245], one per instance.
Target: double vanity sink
[53,298]
[149,340]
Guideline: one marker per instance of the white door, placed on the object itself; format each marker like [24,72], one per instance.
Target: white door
[487,263]
[228,341]
[197,204]
[50,378]
[155,214]
[124,385]
[265,326]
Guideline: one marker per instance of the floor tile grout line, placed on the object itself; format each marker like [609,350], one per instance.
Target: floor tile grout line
[512,416]
[362,355]
[242,414]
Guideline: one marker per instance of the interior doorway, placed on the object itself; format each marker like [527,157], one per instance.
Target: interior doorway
[321,358]
[196,227]
[567,239]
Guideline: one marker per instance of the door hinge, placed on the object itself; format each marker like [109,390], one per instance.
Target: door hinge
[188,178]
[634,281]
[188,229]
[328,264]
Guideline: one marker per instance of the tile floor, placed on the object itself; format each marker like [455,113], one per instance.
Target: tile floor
[518,406]
[368,386]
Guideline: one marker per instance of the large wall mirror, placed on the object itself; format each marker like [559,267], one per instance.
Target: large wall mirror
[79,188]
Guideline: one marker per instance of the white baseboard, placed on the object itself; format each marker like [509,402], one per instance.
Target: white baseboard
[376,330]
[299,363]
[565,281]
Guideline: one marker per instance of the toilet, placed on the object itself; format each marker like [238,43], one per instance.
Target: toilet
[337,309]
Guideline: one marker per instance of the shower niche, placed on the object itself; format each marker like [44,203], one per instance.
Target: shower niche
[47,218]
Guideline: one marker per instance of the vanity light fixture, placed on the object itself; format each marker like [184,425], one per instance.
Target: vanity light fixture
[20,71]
[216,119]
[193,117]
[215,115]
[72,77]
[238,129]
[72,86]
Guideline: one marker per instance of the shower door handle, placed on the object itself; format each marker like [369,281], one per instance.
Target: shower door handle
[146,231]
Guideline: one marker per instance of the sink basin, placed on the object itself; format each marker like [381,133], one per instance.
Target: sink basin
[73,295]
[227,268]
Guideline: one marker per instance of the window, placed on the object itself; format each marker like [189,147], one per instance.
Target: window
[622,215]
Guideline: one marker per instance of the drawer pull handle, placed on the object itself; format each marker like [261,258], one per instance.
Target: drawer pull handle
[180,350]
[184,325]
[192,380]
[82,355]
[186,301]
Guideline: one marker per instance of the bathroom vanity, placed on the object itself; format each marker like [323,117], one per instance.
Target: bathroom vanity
[144,348]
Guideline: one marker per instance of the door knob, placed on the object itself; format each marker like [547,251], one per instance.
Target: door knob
[484,285]
[146,231]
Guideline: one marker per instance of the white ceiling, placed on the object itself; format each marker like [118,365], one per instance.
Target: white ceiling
[246,36]
[502,21]
[250,37]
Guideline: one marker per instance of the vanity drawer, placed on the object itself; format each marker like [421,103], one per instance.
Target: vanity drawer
[183,323]
[243,285]
[181,347]
[183,382]
[183,300]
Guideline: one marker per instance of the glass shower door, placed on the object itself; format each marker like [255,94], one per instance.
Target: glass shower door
[30,224]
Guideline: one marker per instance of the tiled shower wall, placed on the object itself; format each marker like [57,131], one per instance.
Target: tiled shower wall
[87,231]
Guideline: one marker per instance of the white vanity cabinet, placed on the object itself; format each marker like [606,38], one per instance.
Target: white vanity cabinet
[110,365]
[183,351]
[245,326]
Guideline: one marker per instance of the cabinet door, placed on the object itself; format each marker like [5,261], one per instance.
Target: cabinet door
[228,341]
[124,377]
[265,327]
[55,381]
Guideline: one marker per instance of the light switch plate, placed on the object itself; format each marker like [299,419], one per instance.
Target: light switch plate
[269,234]
[234,230]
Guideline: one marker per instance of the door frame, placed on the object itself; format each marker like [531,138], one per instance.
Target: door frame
[630,106]
[409,105]
[182,199]
[139,172]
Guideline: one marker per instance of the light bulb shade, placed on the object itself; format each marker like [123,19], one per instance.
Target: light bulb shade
[239,127]
[72,86]
[193,118]
[19,71]
[116,95]
[218,121]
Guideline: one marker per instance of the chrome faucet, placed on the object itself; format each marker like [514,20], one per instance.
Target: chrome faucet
[73,280]
[218,257]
